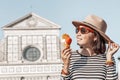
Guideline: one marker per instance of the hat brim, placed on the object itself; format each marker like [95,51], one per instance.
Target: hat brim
[105,37]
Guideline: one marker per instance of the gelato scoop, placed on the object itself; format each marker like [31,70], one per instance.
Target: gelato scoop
[66,39]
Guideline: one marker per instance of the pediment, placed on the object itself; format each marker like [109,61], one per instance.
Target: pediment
[31,21]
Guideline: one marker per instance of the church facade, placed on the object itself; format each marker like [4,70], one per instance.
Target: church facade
[30,49]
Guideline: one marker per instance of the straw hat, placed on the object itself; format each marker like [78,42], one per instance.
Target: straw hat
[96,23]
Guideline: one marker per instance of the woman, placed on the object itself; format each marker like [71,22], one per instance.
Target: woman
[94,60]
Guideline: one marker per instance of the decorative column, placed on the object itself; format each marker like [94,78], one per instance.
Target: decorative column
[58,48]
[44,49]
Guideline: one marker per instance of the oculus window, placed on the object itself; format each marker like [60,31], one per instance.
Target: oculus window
[31,53]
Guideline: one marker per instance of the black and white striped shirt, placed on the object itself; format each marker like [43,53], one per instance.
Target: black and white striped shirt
[89,68]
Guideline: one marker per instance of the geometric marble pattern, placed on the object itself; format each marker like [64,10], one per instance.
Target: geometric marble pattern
[36,69]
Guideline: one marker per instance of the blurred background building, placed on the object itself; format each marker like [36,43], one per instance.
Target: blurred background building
[30,49]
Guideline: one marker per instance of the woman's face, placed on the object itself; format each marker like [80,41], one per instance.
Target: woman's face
[85,36]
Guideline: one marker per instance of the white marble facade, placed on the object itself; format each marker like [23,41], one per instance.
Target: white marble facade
[30,49]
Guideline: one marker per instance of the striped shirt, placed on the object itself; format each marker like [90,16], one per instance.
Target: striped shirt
[89,68]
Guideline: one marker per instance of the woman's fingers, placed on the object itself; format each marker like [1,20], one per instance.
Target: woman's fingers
[65,49]
[68,57]
[66,53]
[115,46]
[112,48]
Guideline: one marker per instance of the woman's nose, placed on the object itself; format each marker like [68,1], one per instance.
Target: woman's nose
[78,34]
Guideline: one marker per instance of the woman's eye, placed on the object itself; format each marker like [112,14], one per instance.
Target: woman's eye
[83,30]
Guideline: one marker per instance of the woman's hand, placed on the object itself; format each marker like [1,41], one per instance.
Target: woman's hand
[112,49]
[65,55]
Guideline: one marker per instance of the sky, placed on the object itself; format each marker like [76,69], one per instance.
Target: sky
[63,12]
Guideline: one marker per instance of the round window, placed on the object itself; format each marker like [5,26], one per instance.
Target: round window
[31,53]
